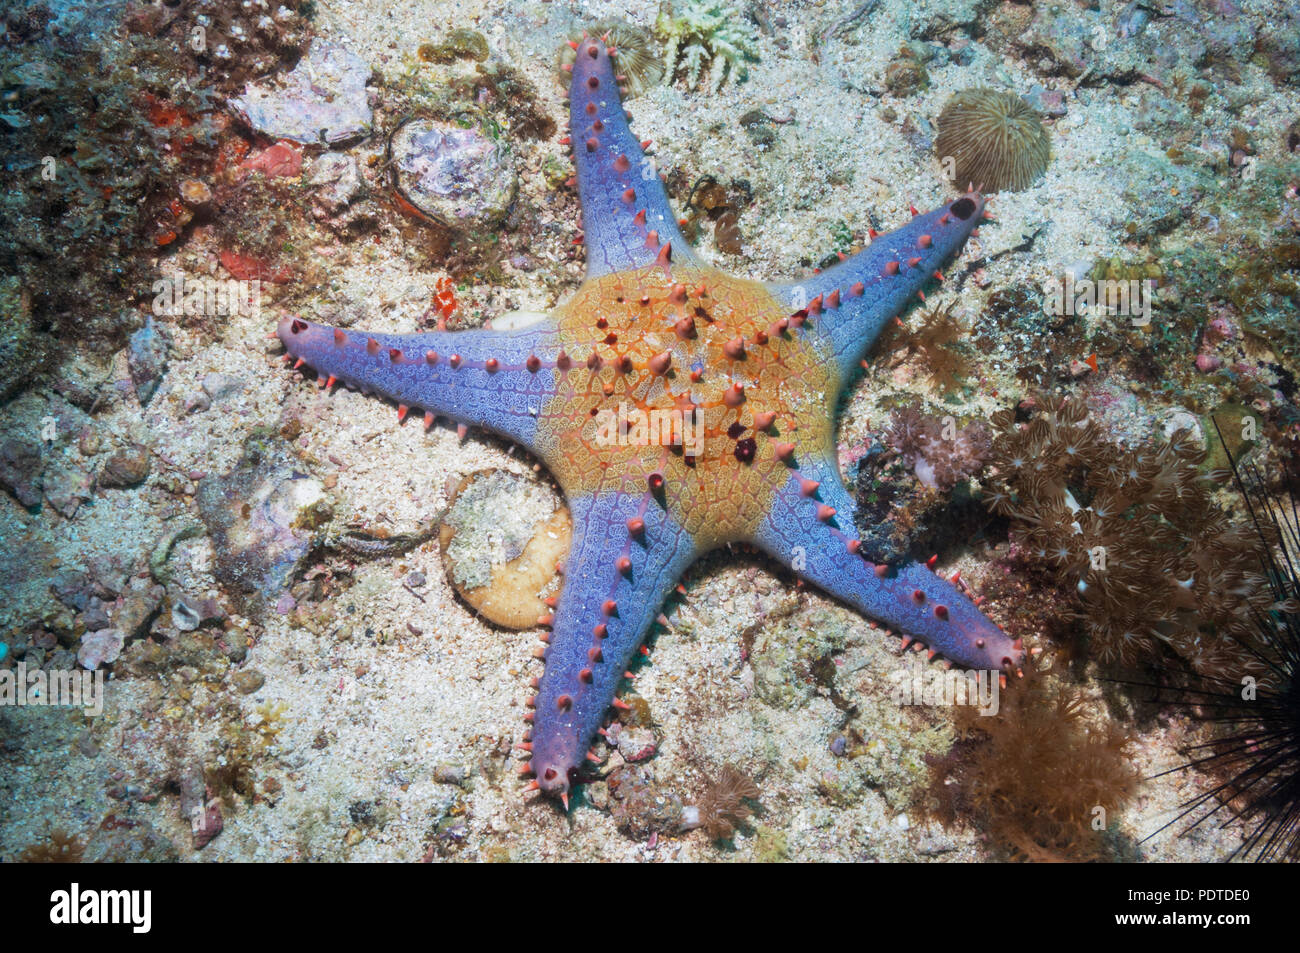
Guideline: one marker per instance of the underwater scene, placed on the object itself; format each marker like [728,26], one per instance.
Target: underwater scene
[651,431]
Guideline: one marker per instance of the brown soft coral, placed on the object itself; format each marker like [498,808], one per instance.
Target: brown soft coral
[1133,533]
[723,805]
[61,848]
[937,347]
[940,453]
[1034,775]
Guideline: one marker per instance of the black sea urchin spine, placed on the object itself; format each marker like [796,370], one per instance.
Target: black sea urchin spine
[1256,757]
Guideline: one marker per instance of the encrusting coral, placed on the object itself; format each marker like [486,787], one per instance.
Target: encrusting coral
[994,140]
[1133,533]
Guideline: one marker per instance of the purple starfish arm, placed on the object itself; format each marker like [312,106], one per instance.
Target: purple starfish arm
[499,380]
[850,303]
[821,546]
[627,222]
[625,558]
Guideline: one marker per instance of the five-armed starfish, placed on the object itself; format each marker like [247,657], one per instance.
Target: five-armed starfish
[654,328]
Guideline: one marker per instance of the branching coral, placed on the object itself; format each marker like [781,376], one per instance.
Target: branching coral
[1039,777]
[706,39]
[1133,533]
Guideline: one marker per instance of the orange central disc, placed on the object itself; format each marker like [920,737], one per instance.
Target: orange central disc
[684,366]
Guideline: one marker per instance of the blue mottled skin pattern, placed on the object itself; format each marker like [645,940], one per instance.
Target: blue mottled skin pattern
[861,318]
[600,528]
[653,325]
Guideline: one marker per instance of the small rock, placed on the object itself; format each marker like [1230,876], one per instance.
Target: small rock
[264,516]
[931,845]
[458,177]
[234,646]
[368,813]
[597,793]
[123,840]
[249,680]
[207,824]
[137,606]
[1049,102]
[1176,418]
[80,380]
[337,179]
[126,467]
[96,615]
[185,617]
[195,192]
[197,402]
[210,610]
[107,575]
[203,814]
[758,127]
[638,806]
[146,358]
[100,648]
[217,386]
[450,774]
[66,488]
[323,100]
[20,469]
[89,442]
[280,161]
[72,588]
[1079,368]
[636,744]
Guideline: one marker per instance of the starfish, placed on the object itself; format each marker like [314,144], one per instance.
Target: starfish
[724,390]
